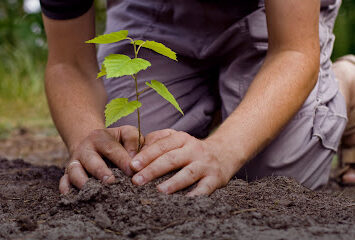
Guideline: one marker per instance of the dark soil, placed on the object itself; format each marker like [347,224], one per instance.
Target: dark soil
[272,208]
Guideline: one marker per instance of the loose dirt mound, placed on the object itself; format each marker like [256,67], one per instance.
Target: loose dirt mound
[272,208]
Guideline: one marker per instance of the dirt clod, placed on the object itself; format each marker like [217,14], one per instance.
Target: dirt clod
[26,223]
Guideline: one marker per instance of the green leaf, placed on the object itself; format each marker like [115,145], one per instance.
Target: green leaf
[157,47]
[110,37]
[164,92]
[118,108]
[102,72]
[118,65]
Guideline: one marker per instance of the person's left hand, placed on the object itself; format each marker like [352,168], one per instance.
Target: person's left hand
[168,150]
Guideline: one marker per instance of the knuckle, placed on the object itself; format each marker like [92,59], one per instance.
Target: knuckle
[76,154]
[128,130]
[183,135]
[109,150]
[198,147]
[191,172]
[168,131]
[163,147]
[95,133]
[88,142]
[170,159]
[82,147]
[209,186]
[149,174]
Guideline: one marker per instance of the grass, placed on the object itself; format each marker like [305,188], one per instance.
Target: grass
[22,98]
[344,30]
[23,54]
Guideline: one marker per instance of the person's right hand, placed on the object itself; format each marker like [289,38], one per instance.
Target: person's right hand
[119,145]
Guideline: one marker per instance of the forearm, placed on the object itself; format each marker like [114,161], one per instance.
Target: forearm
[76,98]
[276,94]
[76,102]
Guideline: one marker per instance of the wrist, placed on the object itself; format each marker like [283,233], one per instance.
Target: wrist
[227,153]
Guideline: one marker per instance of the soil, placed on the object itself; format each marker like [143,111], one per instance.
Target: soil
[37,146]
[272,208]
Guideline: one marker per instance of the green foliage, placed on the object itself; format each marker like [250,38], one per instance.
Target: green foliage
[110,38]
[344,30]
[118,65]
[23,54]
[118,108]
[164,92]
[157,47]
[102,72]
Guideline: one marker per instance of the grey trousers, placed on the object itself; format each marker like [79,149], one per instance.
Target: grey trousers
[221,45]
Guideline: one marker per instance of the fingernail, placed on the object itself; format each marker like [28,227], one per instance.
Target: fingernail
[138,179]
[106,178]
[138,159]
[132,154]
[136,165]
[163,188]
[190,195]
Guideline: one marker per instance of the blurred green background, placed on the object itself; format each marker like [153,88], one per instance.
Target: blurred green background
[23,52]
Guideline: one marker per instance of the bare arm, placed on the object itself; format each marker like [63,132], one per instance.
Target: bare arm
[77,100]
[286,78]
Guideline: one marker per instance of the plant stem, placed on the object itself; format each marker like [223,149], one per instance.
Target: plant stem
[137,97]
[140,47]
[138,114]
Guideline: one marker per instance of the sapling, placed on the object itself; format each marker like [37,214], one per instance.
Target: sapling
[119,65]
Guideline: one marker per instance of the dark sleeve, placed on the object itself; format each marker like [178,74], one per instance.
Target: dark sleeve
[65,9]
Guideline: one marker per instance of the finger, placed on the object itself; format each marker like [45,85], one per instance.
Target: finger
[206,186]
[64,184]
[155,150]
[167,162]
[96,166]
[107,145]
[128,136]
[76,174]
[184,178]
[157,135]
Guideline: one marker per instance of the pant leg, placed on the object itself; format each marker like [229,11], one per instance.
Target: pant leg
[305,147]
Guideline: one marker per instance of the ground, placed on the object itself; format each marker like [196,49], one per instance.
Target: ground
[271,208]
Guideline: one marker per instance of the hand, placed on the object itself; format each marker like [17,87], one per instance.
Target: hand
[118,145]
[168,150]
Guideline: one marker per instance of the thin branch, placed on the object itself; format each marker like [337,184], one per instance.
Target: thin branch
[134,46]
[130,39]
[140,47]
